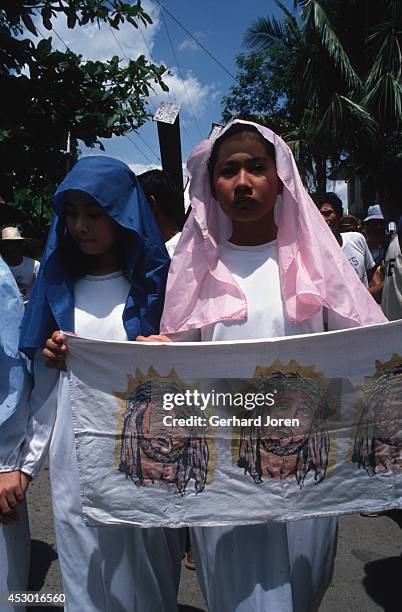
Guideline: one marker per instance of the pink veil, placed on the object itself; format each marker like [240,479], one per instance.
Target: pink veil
[314,272]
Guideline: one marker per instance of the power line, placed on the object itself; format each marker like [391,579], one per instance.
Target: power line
[60,38]
[146,42]
[138,148]
[181,76]
[196,40]
[147,145]
[117,40]
[40,33]
[53,30]
[141,151]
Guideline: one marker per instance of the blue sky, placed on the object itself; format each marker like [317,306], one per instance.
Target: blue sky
[218,25]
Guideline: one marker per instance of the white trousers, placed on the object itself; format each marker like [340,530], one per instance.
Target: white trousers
[272,567]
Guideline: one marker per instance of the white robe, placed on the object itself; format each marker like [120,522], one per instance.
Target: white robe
[274,566]
[111,569]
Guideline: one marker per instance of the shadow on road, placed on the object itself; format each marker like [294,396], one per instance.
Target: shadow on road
[189,609]
[395,515]
[42,556]
[45,608]
[383,583]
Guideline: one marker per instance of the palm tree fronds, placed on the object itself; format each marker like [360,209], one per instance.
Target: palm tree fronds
[263,33]
[345,121]
[388,58]
[291,23]
[331,42]
[386,98]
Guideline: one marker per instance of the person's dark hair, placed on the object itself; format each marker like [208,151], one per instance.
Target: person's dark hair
[389,178]
[328,198]
[349,221]
[159,184]
[237,128]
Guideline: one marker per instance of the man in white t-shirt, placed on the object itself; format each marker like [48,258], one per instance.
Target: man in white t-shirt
[24,269]
[353,244]
[355,248]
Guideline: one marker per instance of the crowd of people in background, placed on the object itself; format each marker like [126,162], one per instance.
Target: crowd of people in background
[110,243]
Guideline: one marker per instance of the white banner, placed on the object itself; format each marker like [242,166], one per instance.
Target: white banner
[235,433]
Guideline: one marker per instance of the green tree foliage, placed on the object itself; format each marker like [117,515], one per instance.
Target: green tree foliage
[259,92]
[334,70]
[48,94]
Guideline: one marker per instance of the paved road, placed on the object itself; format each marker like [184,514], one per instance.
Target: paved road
[368,573]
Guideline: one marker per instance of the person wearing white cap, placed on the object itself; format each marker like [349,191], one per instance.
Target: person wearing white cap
[24,269]
[374,226]
[374,231]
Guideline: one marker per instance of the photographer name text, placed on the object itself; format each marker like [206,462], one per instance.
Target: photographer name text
[233,421]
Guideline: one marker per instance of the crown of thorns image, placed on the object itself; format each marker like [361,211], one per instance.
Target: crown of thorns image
[378,442]
[287,452]
[152,452]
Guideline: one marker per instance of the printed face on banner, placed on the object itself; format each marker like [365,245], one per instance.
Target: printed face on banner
[378,442]
[290,439]
[152,452]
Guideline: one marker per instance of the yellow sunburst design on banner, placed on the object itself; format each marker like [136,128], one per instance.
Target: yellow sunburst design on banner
[380,369]
[133,382]
[292,368]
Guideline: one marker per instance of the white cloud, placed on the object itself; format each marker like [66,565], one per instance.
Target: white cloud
[96,43]
[198,93]
[341,190]
[189,44]
[140,168]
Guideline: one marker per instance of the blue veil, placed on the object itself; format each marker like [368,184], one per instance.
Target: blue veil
[114,186]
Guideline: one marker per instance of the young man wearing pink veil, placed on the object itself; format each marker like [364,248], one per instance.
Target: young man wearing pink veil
[256,260]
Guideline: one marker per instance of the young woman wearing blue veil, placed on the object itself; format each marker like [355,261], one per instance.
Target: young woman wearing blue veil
[103,276]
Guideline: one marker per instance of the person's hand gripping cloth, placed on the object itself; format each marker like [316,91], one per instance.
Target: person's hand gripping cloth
[115,188]
[314,273]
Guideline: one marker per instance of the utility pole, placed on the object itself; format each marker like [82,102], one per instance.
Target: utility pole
[168,122]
